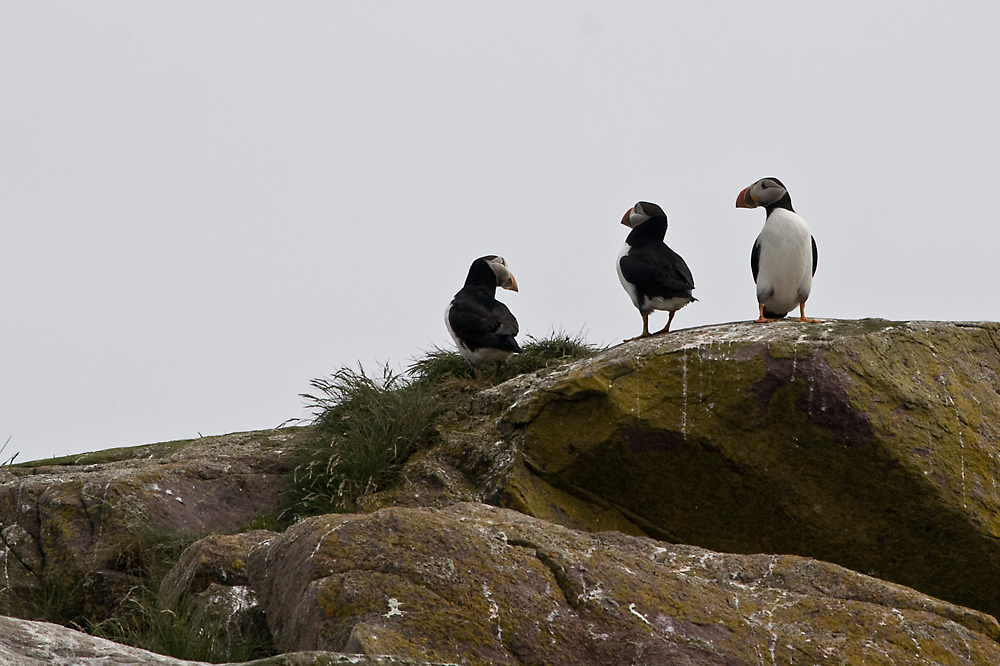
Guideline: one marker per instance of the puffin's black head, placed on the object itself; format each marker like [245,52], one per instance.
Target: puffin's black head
[641,212]
[491,271]
[767,192]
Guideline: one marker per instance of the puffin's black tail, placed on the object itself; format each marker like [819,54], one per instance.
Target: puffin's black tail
[508,343]
[774,315]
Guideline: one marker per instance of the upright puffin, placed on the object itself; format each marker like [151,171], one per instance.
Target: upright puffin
[655,277]
[483,327]
[783,259]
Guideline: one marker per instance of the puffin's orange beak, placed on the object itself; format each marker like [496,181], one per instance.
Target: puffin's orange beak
[628,213]
[512,285]
[743,199]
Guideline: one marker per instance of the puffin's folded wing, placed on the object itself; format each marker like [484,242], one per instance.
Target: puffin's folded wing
[506,328]
[657,270]
[480,326]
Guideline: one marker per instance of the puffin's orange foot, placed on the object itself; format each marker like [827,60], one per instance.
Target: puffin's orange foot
[638,337]
[762,319]
[802,315]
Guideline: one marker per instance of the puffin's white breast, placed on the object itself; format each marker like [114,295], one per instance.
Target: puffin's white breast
[784,276]
[633,292]
[462,349]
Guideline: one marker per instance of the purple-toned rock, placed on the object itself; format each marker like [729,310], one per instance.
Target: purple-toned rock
[475,584]
[872,444]
[29,643]
[74,520]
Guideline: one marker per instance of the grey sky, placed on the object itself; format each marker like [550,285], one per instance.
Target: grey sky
[204,205]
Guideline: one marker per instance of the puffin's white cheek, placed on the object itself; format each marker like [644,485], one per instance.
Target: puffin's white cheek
[765,196]
[635,219]
[504,279]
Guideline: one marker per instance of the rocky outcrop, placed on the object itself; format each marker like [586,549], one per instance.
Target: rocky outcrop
[871,444]
[68,523]
[476,584]
[29,643]
[209,590]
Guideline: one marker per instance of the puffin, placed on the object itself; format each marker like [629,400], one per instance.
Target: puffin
[655,277]
[482,327]
[783,258]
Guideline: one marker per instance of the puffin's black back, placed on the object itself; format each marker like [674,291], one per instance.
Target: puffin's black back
[477,317]
[655,269]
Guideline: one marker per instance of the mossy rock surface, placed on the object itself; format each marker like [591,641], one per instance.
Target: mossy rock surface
[869,444]
[82,527]
[475,584]
[872,444]
[32,643]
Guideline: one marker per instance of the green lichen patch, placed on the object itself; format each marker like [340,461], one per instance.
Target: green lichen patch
[260,440]
[870,444]
[479,585]
[108,455]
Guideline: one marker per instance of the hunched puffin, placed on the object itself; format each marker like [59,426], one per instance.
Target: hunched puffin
[483,327]
[655,277]
[783,259]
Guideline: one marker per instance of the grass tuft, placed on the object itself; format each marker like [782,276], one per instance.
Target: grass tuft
[140,623]
[537,354]
[364,430]
[366,427]
[147,553]
[49,600]
[439,364]
[9,461]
